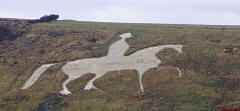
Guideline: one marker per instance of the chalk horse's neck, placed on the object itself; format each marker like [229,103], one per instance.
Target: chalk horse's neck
[118,48]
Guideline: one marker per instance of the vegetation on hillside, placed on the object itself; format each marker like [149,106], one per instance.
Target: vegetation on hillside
[12,29]
[5,33]
[209,82]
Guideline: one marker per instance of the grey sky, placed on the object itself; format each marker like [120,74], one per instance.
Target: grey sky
[215,12]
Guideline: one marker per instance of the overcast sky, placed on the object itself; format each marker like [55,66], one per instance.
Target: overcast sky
[216,12]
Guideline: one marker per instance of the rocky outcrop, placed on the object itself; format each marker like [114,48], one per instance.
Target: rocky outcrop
[235,50]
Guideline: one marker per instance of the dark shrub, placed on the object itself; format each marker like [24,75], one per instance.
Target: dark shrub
[45,18]
[48,18]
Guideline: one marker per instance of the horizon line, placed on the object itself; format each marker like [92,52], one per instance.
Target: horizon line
[151,23]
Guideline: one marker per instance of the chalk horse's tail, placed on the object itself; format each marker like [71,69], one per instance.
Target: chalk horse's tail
[35,75]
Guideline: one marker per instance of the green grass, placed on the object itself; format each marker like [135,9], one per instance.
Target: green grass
[209,82]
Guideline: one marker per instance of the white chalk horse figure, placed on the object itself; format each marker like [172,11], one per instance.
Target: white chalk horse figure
[115,60]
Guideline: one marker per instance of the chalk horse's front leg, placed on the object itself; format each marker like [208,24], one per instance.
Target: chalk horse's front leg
[178,48]
[140,73]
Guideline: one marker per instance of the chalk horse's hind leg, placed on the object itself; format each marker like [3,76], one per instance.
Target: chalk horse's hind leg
[65,90]
[90,83]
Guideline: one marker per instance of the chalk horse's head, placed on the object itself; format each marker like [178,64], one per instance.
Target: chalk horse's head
[179,48]
[126,35]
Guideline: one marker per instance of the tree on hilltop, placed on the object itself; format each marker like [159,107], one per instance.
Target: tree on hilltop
[45,18]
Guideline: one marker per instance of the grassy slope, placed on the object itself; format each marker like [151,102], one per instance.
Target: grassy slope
[210,77]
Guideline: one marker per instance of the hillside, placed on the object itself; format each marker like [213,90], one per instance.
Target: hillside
[210,74]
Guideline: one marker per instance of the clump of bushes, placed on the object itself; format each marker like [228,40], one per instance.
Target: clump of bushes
[10,34]
[5,33]
[45,18]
